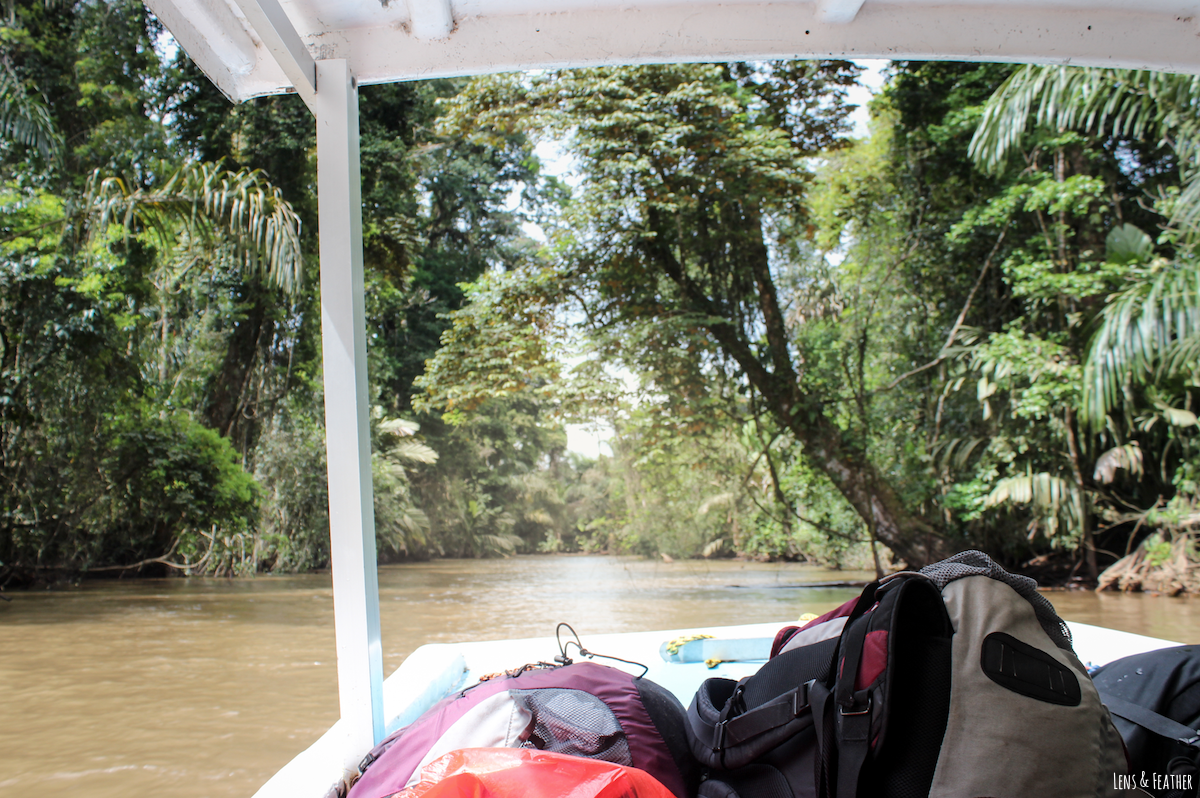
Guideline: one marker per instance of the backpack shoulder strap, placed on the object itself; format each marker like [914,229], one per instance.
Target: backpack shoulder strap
[754,723]
[853,707]
[735,740]
[1148,719]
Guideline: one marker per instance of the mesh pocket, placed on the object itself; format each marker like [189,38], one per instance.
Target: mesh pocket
[574,722]
[976,563]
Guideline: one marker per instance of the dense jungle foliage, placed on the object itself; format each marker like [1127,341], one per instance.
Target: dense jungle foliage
[977,327]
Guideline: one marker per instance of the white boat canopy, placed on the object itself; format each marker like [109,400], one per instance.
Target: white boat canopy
[323,49]
[254,47]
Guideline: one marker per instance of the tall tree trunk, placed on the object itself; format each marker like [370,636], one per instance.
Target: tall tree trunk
[774,376]
[1086,540]
[910,537]
[224,409]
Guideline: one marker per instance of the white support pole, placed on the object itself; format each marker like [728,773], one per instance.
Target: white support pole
[347,431]
[838,12]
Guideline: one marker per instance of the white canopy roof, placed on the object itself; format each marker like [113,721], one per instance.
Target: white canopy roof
[392,40]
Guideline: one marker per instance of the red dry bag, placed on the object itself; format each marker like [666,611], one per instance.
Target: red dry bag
[529,773]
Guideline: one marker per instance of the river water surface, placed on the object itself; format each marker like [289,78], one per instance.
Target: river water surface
[201,687]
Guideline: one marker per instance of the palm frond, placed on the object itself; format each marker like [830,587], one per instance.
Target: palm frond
[1127,102]
[1044,490]
[1182,357]
[1054,499]
[1128,244]
[1128,457]
[398,444]
[1185,210]
[209,201]
[953,454]
[720,500]
[24,118]
[538,516]
[398,427]
[503,543]
[401,528]
[411,452]
[1149,328]
[1176,416]
[1124,102]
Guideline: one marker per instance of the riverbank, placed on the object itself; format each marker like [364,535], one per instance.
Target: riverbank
[1168,568]
[1146,569]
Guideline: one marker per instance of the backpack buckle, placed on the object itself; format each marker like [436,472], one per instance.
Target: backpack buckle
[738,700]
[866,709]
[800,697]
[854,725]
[719,737]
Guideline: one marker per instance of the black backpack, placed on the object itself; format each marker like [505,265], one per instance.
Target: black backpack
[791,730]
[955,682]
[1155,698]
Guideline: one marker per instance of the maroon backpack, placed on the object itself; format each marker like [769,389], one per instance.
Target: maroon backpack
[583,709]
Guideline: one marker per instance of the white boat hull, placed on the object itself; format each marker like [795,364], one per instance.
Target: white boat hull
[433,671]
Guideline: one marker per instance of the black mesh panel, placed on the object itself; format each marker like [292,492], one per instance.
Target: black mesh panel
[576,723]
[976,563]
[790,669]
[917,719]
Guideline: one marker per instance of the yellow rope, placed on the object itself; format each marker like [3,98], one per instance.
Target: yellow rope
[673,646]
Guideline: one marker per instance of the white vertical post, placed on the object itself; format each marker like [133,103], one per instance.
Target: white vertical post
[347,430]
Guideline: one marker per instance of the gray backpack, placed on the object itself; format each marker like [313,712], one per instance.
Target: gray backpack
[955,682]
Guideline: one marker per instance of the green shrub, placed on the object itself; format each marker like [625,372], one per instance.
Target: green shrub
[172,486]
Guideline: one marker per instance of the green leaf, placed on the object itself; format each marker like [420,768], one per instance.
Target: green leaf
[1178,416]
[1128,245]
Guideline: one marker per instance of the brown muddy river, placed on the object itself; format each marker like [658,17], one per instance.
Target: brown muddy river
[203,688]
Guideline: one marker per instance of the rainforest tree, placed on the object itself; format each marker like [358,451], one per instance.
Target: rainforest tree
[1015,263]
[695,183]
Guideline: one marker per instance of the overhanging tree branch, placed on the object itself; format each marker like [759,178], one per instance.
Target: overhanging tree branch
[958,322]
